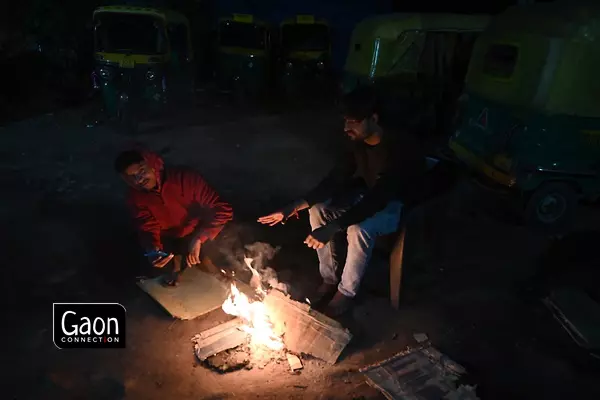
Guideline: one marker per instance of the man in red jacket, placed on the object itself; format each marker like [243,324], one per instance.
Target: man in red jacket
[175,210]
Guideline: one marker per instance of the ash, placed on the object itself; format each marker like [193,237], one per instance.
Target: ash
[244,357]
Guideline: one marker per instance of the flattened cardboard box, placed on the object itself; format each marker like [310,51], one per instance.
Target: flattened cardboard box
[306,330]
[198,293]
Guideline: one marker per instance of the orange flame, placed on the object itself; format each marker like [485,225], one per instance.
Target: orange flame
[254,313]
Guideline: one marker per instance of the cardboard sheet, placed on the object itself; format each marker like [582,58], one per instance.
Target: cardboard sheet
[419,374]
[197,294]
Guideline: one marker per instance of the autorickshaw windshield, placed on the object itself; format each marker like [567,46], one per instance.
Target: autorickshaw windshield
[129,33]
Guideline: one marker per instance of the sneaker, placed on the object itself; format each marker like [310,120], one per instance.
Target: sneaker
[340,304]
[322,295]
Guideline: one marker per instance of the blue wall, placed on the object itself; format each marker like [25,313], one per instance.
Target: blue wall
[341,15]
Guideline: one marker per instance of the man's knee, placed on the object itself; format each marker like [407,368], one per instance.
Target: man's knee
[360,232]
[317,215]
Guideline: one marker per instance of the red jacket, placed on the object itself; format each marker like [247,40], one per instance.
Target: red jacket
[183,204]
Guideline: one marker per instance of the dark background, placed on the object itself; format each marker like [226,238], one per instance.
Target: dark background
[46,45]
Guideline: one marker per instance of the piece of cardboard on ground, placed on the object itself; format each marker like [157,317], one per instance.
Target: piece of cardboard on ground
[294,362]
[198,293]
[420,374]
[579,315]
[306,330]
[220,338]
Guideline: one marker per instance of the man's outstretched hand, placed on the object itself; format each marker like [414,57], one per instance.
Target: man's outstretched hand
[284,214]
[193,256]
[321,236]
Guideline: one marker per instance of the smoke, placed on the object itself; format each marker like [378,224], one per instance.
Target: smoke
[262,253]
[235,254]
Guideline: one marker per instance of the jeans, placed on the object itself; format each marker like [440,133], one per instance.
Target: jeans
[361,240]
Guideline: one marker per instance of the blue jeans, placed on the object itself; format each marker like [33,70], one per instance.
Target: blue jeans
[361,240]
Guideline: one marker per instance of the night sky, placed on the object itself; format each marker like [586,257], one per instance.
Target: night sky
[460,6]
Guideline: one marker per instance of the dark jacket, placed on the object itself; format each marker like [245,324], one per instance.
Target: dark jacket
[392,170]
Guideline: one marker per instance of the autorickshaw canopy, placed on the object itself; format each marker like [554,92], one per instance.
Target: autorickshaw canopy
[544,57]
[392,43]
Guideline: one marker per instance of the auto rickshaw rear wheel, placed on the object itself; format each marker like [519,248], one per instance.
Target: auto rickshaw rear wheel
[552,207]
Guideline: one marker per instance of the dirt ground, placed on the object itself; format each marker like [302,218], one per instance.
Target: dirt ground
[66,237]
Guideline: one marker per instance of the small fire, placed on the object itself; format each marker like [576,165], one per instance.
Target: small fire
[254,313]
[256,281]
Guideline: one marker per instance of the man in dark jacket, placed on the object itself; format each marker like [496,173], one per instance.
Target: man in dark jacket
[175,210]
[363,195]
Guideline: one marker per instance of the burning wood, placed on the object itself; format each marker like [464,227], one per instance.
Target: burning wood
[272,322]
[254,313]
[257,321]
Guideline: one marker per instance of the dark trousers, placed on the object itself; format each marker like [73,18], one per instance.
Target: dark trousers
[211,249]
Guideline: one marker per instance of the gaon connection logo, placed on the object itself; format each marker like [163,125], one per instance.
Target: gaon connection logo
[88,325]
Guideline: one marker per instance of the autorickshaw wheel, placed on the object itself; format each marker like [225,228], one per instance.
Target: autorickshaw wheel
[552,207]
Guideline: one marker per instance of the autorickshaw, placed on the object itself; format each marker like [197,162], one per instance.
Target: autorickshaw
[531,125]
[243,64]
[143,56]
[305,55]
[416,62]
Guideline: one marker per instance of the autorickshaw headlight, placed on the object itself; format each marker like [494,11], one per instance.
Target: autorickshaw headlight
[150,75]
[105,73]
[320,65]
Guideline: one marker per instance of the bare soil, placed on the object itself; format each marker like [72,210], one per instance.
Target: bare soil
[66,237]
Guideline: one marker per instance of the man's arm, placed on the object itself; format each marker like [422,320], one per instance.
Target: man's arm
[148,227]
[402,180]
[372,202]
[341,172]
[217,212]
[344,169]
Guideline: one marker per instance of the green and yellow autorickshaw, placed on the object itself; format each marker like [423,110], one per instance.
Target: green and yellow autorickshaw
[142,55]
[304,65]
[244,51]
[531,124]
[416,62]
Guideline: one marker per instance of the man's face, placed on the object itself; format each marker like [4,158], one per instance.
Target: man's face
[140,176]
[357,129]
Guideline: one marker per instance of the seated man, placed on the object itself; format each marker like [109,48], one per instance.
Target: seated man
[363,195]
[174,208]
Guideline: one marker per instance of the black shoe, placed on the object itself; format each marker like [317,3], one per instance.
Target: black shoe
[339,305]
[171,280]
[322,295]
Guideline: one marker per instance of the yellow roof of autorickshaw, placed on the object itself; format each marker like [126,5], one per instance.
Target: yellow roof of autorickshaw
[232,19]
[168,15]
[390,26]
[294,21]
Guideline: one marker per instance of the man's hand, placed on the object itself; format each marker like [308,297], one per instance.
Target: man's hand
[284,214]
[321,236]
[159,261]
[193,256]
